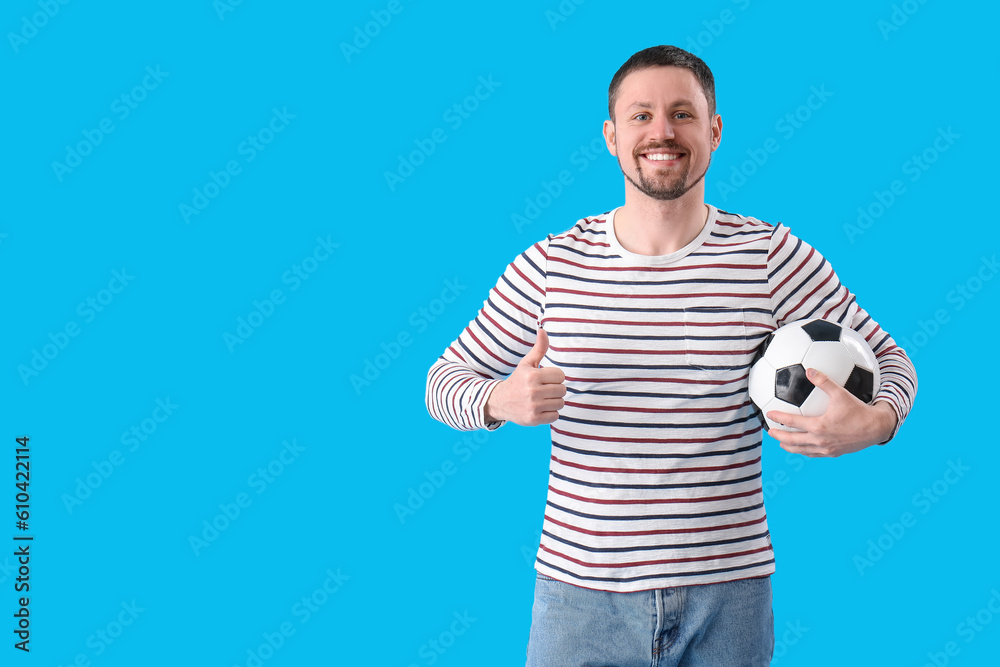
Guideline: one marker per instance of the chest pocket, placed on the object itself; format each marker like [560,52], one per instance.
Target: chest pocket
[716,341]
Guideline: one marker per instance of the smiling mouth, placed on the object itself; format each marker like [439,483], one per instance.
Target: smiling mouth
[661,157]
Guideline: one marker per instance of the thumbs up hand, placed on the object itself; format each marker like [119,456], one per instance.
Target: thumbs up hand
[530,395]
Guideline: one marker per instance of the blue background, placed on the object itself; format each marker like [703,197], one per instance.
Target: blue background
[415,257]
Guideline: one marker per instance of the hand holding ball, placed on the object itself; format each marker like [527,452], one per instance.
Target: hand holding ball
[778,373]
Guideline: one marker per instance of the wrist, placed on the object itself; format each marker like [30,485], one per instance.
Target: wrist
[490,411]
[887,420]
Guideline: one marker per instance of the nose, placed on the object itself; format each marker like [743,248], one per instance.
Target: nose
[661,128]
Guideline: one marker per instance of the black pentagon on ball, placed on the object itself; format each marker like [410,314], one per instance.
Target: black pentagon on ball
[762,348]
[822,330]
[861,383]
[791,385]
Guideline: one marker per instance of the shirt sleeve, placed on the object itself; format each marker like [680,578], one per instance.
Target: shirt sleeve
[491,346]
[803,285]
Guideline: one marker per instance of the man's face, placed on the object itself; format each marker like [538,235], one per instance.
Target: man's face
[663,134]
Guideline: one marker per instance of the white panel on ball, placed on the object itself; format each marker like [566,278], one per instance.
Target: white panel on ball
[761,384]
[816,404]
[794,343]
[832,358]
[776,404]
[859,348]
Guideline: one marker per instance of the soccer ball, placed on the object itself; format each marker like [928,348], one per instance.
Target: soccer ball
[778,373]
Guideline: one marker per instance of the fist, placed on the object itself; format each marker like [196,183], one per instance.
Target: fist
[530,395]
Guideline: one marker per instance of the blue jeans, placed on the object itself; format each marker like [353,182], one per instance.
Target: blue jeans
[714,625]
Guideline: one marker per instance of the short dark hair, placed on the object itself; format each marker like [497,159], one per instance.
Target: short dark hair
[664,56]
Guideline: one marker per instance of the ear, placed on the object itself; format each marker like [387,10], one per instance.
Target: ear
[716,132]
[609,137]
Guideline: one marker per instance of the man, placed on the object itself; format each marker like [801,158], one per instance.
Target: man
[632,334]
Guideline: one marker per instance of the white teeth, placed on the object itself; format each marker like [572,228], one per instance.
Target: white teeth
[662,156]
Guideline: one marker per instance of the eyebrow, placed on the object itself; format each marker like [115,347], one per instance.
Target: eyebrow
[648,105]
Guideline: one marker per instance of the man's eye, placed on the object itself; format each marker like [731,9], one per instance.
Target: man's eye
[641,116]
[682,114]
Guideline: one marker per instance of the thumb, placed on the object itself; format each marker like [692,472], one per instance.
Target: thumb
[821,380]
[535,355]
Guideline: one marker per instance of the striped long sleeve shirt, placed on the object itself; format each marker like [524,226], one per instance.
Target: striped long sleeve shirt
[655,470]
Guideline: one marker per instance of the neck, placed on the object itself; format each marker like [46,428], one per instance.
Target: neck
[649,226]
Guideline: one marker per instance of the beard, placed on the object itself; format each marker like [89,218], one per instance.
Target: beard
[663,188]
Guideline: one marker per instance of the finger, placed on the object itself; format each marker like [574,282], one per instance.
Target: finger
[537,353]
[551,375]
[536,393]
[547,411]
[786,419]
[551,405]
[549,391]
[794,438]
[823,382]
[548,417]
[818,378]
